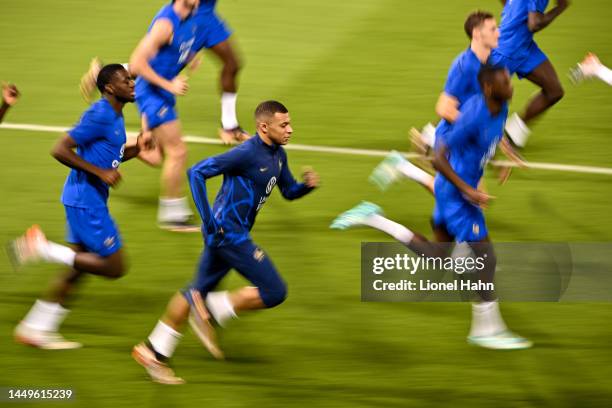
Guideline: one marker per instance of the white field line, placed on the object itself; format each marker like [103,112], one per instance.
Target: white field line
[334,150]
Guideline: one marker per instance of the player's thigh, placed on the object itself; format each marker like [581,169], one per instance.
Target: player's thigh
[210,270]
[169,138]
[212,31]
[440,232]
[255,265]
[94,230]
[545,76]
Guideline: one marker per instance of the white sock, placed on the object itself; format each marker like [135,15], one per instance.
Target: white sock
[517,130]
[397,231]
[415,173]
[56,253]
[428,135]
[126,66]
[605,74]
[486,319]
[45,316]
[220,306]
[164,339]
[173,209]
[228,110]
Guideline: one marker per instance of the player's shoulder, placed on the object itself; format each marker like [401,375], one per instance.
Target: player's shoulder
[465,62]
[100,112]
[166,13]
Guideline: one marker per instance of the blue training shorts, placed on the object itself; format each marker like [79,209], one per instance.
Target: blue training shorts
[211,31]
[249,260]
[94,229]
[464,221]
[157,109]
[522,65]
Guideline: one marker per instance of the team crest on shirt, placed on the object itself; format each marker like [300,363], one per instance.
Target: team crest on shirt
[162,112]
[258,255]
[270,185]
[476,229]
[109,242]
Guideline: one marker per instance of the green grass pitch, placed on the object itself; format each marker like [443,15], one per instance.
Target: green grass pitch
[359,74]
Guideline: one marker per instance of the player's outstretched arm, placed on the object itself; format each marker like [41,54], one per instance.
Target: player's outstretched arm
[63,151]
[290,188]
[159,35]
[10,95]
[537,21]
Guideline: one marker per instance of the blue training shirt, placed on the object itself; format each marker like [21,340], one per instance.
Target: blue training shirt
[514,35]
[471,142]
[461,83]
[100,138]
[206,7]
[250,172]
[171,58]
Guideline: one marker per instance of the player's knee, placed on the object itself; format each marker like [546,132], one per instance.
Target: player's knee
[233,65]
[275,296]
[116,273]
[178,153]
[555,94]
[116,269]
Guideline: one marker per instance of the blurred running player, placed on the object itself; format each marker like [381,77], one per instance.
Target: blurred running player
[157,61]
[461,84]
[462,79]
[590,68]
[250,172]
[100,142]
[518,52]
[213,34]
[460,158]
[10,95]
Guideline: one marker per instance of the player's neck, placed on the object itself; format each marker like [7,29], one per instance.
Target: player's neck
[182,11]
[481,52]
[115,103]
[266,139]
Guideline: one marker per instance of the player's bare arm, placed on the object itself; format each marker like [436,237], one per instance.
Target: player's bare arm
[149,46]
[63,151]
[10,94]
[538,21]
[441,164]
[447,107]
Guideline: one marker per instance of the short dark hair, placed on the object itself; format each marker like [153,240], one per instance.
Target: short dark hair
[474,20]
[269,108]
[106,75]
[487,74]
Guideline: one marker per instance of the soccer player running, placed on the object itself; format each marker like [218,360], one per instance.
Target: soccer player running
[518,52]
[460,159]
[100,142]
[590,68]
[461,84]
[157,61]
[213,34]
[250,172]
[10,95]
